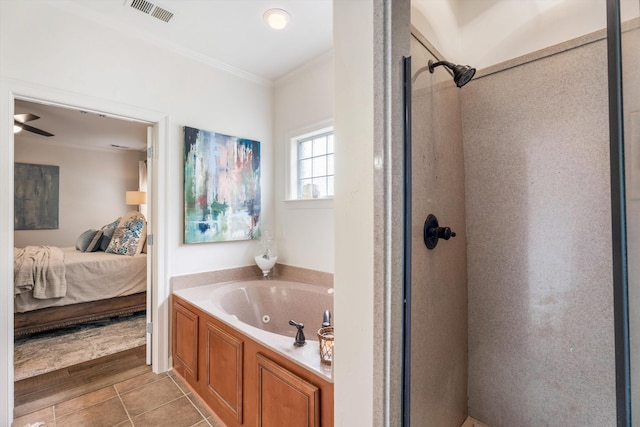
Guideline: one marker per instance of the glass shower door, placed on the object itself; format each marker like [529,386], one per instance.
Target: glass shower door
[630,42]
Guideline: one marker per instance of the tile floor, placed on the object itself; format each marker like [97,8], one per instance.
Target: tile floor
[145,400]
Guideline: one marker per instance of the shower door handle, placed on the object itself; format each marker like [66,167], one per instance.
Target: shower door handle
[432,232]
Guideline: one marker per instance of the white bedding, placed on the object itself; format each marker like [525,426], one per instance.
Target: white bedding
[93,276]
[39,270]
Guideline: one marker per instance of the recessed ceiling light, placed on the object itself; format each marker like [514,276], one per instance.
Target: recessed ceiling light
[277,18]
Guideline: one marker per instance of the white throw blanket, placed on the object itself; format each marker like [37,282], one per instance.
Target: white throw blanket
[39,269]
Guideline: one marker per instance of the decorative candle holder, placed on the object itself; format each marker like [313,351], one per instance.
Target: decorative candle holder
[325,337]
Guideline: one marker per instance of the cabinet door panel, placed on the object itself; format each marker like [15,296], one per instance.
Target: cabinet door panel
[185,340]
[224,369]
[284,399]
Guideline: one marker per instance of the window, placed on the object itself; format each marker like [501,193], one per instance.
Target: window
[312,174]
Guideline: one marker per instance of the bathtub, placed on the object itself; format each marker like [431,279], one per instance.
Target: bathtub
[261,310]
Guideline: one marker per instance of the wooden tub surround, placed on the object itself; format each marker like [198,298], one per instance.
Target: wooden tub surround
[244,382]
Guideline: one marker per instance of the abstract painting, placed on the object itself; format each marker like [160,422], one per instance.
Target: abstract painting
[36,196]
[221,187]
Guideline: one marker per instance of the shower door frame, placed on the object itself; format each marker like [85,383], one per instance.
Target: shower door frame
[408,243]
[618,216]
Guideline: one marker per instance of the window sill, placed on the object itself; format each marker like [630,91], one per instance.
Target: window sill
[324,203]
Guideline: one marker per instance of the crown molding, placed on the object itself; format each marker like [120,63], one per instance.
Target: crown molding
[78,9]
[320,59]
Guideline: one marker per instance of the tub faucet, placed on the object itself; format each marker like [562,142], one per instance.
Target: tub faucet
[326,319]
[300,339]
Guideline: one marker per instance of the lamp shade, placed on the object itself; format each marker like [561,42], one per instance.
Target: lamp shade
[135,198]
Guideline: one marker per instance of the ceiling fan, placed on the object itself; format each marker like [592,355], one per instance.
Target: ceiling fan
[19,123]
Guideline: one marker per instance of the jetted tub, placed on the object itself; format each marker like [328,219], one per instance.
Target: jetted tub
[261,309]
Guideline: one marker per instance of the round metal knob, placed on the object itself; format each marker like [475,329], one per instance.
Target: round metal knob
[432,232]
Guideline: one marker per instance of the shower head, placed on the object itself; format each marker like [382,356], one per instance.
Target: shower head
[462,74]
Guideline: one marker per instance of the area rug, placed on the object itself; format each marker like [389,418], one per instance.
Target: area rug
[49,351]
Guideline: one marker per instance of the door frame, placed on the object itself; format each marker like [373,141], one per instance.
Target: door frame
[10,90]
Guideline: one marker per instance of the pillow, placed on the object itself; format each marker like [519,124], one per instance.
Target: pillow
[107,233]
[89,241]
[129,236]
[94,246]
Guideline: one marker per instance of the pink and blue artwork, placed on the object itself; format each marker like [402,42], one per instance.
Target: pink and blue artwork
[221,187]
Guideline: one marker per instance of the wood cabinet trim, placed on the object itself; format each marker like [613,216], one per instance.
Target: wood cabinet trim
[298,385]
[190,365]
[238,345]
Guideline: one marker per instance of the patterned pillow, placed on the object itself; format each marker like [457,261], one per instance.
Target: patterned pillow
[129,236]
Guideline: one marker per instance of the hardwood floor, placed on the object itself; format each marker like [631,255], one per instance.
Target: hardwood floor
[32,394]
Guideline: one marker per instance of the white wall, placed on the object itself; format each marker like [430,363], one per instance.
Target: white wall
[354,213]
[60,52]
[303,101]
[486,32]
[437,21]
[92,188]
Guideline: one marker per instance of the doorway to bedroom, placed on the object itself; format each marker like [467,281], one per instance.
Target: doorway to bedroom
[80,207]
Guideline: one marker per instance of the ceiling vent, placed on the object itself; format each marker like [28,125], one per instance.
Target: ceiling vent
[152,10]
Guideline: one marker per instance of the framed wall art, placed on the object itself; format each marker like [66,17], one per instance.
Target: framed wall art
[36,196]
[221,187]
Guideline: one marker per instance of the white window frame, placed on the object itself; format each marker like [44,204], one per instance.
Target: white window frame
[292,190]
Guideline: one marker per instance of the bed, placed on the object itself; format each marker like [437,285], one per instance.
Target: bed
[67,286]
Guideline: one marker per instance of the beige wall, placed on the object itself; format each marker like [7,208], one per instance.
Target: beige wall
[536,148]
[92,187]
[439,279]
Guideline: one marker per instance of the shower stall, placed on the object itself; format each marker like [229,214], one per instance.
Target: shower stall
[435,375]
[530,314]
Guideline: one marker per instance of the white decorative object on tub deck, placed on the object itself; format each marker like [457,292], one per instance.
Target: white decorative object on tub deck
[265,263]
[267,254]
[262,310]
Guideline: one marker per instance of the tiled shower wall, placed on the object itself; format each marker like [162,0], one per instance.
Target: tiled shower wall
[439,280]
[536,149]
